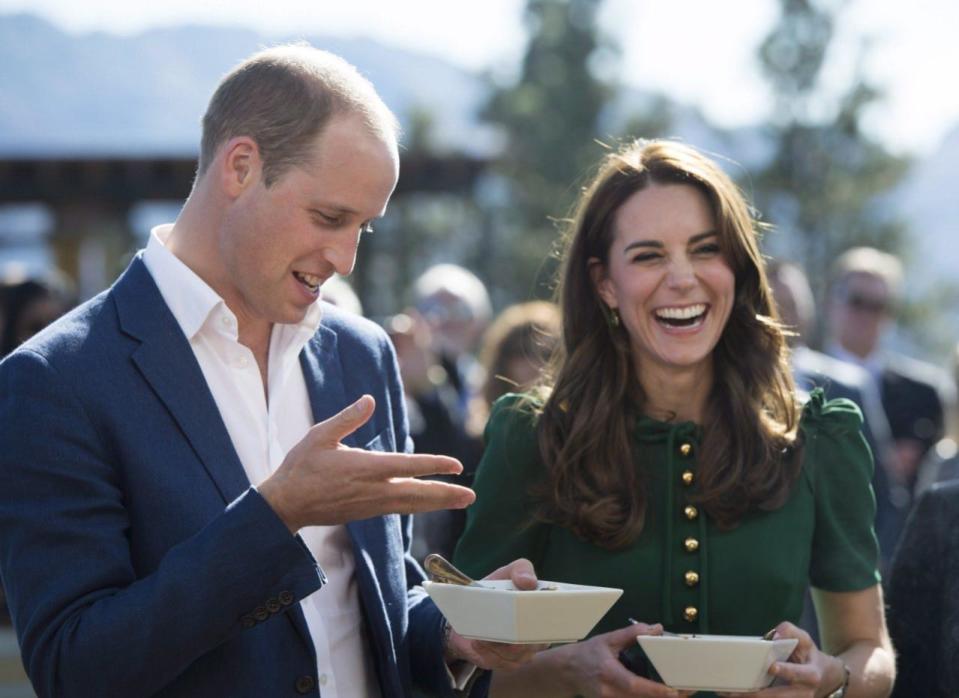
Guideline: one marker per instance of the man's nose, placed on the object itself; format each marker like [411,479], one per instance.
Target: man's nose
[341,252]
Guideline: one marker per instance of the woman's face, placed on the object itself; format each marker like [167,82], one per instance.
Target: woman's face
[667,277]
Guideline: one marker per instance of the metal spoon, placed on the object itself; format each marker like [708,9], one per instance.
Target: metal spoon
[442,570]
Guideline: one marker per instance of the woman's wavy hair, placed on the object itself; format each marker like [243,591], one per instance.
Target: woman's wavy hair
[592,396]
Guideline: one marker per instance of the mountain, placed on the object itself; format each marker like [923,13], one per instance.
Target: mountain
[104,94]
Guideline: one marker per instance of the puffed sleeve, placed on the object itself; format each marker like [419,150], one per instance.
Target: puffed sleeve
[500,525]
[837,460]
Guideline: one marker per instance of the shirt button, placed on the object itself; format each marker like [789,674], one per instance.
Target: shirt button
[687,477]
[691,512]
[323,679]
[241,362]
[691,578]
[305,684]
[227,321]
[690,613]
[691,545]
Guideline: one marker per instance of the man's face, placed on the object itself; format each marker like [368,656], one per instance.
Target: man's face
[279,244]
[860,312]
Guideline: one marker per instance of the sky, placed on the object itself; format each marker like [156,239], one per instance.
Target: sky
[700,52]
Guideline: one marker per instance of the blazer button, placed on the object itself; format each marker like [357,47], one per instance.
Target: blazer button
[688,477]
[260,613]
[273,605]
[686,449]
[304,685]
[286,597]
[691,512]
[691,545]
[690,613]
[247,621]
[691,578]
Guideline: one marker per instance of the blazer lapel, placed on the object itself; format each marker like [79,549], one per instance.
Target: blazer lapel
[324,376]
[168,364]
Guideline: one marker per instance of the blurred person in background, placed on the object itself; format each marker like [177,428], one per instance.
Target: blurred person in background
[813,369]
[436,425]
[514,353]
[924,597]
[942,461]
[29,305]
[668,452]
[456,306]
[864,290]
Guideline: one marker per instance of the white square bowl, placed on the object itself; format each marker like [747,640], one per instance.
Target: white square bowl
[731,663]
[497,611]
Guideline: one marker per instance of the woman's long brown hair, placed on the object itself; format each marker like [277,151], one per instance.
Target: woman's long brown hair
[584,429]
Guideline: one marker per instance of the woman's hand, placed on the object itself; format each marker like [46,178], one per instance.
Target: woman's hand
[592,667]
[807,673]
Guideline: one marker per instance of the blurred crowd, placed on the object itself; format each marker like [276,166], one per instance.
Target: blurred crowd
[457,358]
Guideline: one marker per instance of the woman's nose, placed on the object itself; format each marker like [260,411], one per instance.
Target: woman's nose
[681,274]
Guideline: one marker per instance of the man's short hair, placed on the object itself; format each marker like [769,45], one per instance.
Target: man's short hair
[282,98]
[868,261]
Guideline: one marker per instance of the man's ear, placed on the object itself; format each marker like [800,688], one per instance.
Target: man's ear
[600,279]
[240,165]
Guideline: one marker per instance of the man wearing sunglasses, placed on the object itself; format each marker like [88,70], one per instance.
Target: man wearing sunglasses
[864,289]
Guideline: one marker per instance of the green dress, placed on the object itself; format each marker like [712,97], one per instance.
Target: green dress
[683,571]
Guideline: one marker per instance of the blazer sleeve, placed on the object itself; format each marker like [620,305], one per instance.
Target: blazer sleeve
[916,593]
[88,625]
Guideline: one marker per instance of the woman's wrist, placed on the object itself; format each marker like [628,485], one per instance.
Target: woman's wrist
[840,690]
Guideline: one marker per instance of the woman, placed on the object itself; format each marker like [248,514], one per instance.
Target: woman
[668,454]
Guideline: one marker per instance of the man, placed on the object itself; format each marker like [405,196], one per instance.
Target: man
[841,379]
[863,292]
[137,557]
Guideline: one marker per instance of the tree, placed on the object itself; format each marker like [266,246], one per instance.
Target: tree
[828,185]
[549,119]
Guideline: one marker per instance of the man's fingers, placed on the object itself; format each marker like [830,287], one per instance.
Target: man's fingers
[410,496]
[333,430]
[379,466]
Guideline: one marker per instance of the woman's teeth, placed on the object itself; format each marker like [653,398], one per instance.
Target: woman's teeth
[681,316]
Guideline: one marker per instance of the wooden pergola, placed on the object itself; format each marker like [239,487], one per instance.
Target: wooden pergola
[90,198]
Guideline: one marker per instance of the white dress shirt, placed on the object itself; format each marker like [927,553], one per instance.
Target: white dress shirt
[262,433]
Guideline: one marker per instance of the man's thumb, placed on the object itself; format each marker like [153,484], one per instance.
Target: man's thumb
[345,422]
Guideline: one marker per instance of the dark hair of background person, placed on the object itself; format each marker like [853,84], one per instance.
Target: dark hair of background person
[28,306]
[283,103]
[585,429]
[515,351]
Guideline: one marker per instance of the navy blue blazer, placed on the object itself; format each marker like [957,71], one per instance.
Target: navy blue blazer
[136,557]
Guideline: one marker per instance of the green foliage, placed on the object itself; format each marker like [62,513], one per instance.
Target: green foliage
[549,118]
[827,186]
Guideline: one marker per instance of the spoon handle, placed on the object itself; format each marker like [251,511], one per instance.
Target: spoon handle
[442,570]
